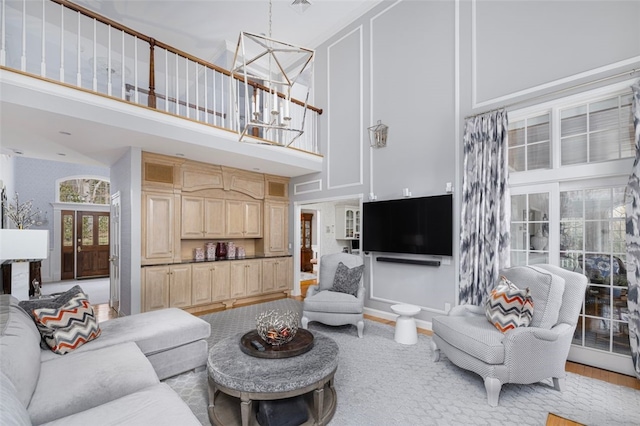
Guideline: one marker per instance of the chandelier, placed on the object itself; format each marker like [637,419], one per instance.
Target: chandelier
[267,71]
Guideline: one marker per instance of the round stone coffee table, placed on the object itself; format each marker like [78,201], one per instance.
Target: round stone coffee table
[237,379]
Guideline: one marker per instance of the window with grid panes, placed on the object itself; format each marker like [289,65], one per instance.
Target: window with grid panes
[529,144]
[588,224]
[597,131]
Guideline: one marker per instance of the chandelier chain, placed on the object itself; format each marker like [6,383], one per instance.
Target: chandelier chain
[270,6]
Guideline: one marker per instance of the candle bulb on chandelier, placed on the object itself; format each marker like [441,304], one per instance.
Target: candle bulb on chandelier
[274,108]
[287,105]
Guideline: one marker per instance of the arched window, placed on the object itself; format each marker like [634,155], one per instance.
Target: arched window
[83,190]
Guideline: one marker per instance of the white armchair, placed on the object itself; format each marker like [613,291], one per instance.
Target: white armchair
[332,307]
[522,355]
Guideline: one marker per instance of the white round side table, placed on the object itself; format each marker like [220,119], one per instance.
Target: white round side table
[406,331]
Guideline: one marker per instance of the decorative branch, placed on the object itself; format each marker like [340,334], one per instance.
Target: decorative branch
[22,215]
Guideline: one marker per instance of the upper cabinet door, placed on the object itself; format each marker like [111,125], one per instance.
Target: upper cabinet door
[158,227]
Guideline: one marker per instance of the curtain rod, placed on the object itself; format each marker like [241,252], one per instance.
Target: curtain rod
[566,89]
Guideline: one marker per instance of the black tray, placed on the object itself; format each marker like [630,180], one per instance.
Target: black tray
[301,343]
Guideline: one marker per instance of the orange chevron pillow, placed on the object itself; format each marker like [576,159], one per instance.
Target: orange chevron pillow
[69,326]
[508,306]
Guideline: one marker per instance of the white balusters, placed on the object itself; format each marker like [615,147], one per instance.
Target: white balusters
[186,86]
[23,58]
[3,45]
[79,73]
[95,57]
[123,75]
[206,92]
[43,62]
[135,69]
[61,43]
[197,94]
[177,87]
[109,73]
[206,97]
[166,80]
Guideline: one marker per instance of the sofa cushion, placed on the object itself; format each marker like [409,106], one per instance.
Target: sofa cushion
[331,301]
[12,411]
[157,405]
[508,307]
[82,380]
[153,331]
[546,291]
[347,280]
[472,334]
[69,326]
[19,348]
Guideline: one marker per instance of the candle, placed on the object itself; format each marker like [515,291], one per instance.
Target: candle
[286,107]
[274,108]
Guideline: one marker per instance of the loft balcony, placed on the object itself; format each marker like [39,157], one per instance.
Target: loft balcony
[65,69]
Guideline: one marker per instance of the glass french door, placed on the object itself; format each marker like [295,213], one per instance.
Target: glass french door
[580,226]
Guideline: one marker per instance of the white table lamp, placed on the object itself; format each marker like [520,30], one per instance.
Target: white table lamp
[20,246]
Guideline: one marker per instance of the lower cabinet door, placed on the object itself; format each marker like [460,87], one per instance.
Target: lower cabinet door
[180,286]
[220,281]
[155,288]
[201,284]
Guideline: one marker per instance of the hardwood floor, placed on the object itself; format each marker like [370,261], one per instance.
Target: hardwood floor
[104,313]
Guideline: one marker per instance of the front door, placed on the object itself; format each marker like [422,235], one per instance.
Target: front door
[92,244]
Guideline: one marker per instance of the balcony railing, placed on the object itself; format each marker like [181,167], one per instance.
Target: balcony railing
[63,42]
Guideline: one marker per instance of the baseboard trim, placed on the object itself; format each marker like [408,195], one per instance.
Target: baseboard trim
[425,325]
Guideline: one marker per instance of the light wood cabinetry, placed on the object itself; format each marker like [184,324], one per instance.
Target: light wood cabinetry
[277,274]
[160,171]
[188,203]
[160,240]
[210,282]
[276,229]
[347,223]
[196,176]
[166,286]
[155,288]
[246,278]
[276,187]
[249,183]
[202,217]
[243,219]
[179,286]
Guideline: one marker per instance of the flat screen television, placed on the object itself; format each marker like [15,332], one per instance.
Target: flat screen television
[420,225]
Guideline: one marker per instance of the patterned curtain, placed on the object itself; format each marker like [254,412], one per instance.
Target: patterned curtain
[484,222]
[633,240]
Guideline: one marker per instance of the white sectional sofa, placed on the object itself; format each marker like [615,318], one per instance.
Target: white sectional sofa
[114,379]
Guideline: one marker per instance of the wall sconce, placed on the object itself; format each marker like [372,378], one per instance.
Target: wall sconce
[378,135]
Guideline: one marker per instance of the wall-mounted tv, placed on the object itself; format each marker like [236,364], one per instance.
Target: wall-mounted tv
[420,225]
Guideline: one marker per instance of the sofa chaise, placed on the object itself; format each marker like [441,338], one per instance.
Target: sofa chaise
[114,379]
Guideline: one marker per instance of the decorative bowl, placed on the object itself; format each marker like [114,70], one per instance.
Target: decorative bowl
[277,328]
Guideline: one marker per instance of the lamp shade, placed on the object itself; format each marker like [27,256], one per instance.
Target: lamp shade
[23,244]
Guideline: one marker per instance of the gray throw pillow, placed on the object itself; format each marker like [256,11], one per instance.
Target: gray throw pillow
[347,280]
[52,303]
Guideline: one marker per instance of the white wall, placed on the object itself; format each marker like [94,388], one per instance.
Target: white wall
[422,66]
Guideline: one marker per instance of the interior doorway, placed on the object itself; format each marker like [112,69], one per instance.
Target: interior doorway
[328,234]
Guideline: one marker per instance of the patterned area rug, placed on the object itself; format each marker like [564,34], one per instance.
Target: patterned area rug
[380,382]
